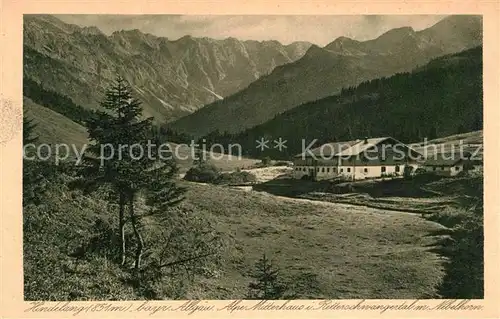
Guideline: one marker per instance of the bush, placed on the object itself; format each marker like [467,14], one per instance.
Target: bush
[281,163]
[70,250]
[448,217]
[203,173]
[408,171]
[236,178]
[464,277]
[266,161]
[465,270]
[420,171]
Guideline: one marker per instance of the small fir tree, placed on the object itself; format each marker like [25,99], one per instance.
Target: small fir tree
[267,284]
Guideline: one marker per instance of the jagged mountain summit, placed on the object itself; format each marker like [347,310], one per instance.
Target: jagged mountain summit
[172,77]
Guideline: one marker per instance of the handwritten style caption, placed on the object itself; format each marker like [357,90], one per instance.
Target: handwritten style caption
[200,306]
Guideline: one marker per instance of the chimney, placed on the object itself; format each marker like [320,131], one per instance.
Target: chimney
[366,140]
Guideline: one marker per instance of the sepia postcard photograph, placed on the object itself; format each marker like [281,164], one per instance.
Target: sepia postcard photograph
[261,159]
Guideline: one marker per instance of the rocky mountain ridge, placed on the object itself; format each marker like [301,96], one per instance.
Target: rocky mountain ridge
[173,78]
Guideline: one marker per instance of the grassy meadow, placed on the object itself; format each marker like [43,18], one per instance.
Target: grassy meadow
[351,252]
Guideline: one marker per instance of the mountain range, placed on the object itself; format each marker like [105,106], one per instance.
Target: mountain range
[172,77]
[251,82]
[323,72]
[441,98]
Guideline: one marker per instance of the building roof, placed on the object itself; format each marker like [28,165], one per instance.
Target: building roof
[362,146]
[444,159]
[349,148]
[330,149]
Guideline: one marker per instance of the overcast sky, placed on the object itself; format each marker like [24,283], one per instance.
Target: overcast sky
[320,30]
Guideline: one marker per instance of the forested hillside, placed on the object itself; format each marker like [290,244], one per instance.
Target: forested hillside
[439,99]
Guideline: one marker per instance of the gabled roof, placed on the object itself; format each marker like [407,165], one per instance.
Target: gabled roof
[362,146]
[350,148]
[330,149]
[444,159]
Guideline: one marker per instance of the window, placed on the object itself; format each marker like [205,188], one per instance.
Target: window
[457,168]
[348,170]
[317,169]
[397,169]
[434,168]
[328,169]
[341,170]
[442,168]
[322,170]
[382,169]
[365,170]
[334,169]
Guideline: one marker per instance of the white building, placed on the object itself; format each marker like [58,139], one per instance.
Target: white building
[450,164]
[354,160]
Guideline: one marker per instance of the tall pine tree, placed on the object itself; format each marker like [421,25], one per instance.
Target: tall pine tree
[119,159]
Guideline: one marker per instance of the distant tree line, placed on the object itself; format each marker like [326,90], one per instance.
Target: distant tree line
[169,134]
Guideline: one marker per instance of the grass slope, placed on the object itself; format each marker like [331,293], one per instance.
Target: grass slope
[52,127]
[355,252]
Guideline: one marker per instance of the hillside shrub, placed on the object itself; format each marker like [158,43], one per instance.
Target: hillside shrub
[266,161]
[465,271]
[464,277]
[408,171]
[235,178]
[282,163]
[420,171]
[448,217]
[203,173]
[71,251]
